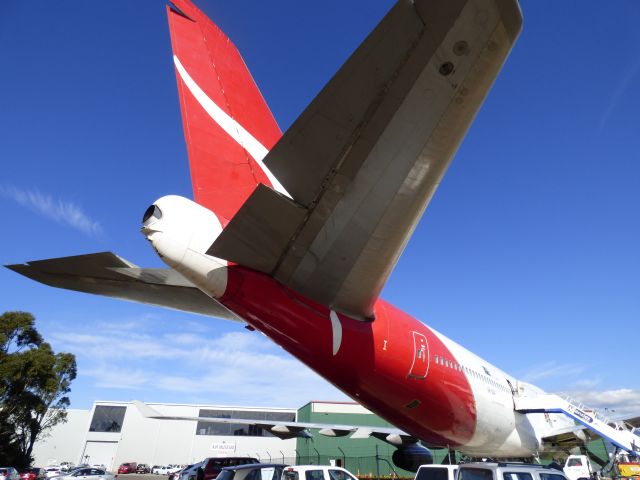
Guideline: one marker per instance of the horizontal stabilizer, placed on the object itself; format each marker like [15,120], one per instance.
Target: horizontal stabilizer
[260,232]
[363,160]
[110,275]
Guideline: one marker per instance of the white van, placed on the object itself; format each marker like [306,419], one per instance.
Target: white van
[578,467]
[436,472]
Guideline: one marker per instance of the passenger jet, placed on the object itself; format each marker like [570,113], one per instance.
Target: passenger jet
[295,233]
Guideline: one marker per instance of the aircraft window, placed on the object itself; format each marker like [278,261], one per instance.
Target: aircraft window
[436,358]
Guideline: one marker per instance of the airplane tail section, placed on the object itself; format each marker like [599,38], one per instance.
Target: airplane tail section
[228,126]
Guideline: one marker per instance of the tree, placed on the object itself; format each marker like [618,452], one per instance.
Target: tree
[34,383]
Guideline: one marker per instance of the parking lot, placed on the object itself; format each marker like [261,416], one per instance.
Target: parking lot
[142,476]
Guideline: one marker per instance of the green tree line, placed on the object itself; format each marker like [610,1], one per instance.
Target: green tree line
[34,383]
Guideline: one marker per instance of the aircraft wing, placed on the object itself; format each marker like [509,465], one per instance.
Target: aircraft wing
[284,430]
[110,275]
[365,157]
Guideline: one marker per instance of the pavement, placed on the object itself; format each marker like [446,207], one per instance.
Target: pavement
[142,476]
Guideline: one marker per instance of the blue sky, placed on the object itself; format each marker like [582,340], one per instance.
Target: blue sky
[527,255]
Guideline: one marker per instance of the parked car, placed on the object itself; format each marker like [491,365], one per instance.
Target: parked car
[211,467]
[67,466]
[253,471]
[507,471]
[173,469]
[176,475]
[191,472]
[143,468]
[35,473]
[9,473]
[317,472]
[53,471]
[436,472]
[129,467]
[88,473]
[155,468]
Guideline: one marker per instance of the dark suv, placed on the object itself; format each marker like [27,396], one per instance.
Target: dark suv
[143,468]
[211,467]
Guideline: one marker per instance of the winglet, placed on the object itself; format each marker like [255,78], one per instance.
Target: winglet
[146,410]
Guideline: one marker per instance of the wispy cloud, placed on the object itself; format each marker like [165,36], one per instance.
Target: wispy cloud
[58,210]
[235,367]
[588,382]
[548,370]
[617,95]
[615,403]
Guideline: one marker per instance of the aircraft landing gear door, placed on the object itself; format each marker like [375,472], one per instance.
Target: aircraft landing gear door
[420,365]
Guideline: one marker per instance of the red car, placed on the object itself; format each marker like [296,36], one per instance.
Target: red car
[128,467]
[34,473]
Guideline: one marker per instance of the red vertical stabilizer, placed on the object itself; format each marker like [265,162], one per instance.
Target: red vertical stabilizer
[227,124]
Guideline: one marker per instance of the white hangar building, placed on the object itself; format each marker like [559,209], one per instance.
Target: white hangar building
[112,433]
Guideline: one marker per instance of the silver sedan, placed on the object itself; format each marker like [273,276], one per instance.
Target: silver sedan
[86,473]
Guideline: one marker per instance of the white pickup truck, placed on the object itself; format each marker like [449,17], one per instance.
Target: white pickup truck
[578,467]
[316,472]
[507,471]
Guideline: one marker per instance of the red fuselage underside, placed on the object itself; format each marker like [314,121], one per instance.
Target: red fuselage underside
[377,362]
